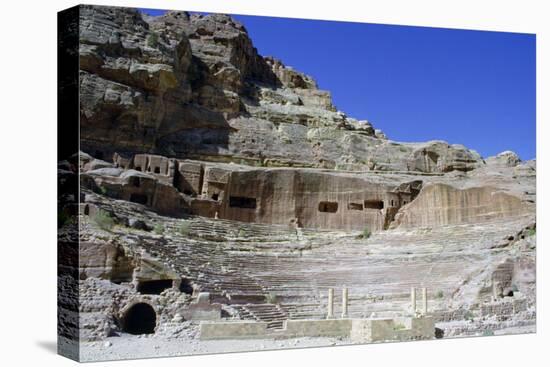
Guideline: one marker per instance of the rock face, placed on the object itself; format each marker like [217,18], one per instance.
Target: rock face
[193,86]
[440,204]
[296,197]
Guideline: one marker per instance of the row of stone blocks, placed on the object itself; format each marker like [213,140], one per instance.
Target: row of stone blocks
[357,330]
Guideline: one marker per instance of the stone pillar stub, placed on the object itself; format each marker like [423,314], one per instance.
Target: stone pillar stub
[330,306]
[344,303]
[413,300]
[424,301]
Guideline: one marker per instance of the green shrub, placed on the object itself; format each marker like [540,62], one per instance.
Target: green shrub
[241,233]
[104,220]
[158,228]
[271,298]
[531,232]
[152,40]
[469,315]
[439,294]
[185,228]
[399,327]
[102,190]
[488,333]
[366,233]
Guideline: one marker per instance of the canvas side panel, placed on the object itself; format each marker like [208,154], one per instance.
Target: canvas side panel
[67,186]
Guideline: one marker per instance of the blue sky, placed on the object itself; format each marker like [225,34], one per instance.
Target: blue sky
[475,88]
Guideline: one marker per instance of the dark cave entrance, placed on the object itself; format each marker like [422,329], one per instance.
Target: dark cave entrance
[355,206]
[154,286]
[242,202]
[374,204]
[138,198]
[186,287]
[328,207]
[141,318]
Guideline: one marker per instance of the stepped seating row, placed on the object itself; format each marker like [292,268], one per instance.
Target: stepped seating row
[270,260]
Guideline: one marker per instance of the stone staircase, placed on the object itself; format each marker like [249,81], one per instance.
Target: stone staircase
[273,314]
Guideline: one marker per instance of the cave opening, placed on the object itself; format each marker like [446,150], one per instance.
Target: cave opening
[154,286]
[355,206]
[138,198]
[186,287]
[242,202]
[141,318]
[328,206]
[374,204]
[157,170]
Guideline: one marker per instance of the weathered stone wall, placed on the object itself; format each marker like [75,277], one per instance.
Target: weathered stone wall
[105,260]
[400,329]
[317,200]
[307,198]
[359,330]
[318,328]
[441,204]
[189,178]
[233,330]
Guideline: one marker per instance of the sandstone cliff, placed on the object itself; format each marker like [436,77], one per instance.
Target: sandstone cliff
[194,86]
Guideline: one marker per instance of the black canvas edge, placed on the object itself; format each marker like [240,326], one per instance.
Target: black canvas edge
[68,328]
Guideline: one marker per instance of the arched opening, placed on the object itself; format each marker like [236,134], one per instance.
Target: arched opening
[154,286]
[157,170]
[141,318]
[215,196]
[87,210]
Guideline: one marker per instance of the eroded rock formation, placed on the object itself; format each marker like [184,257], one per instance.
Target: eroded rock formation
[193,86]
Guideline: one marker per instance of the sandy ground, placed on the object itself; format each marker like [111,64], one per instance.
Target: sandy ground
[133,347]
[129,346]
